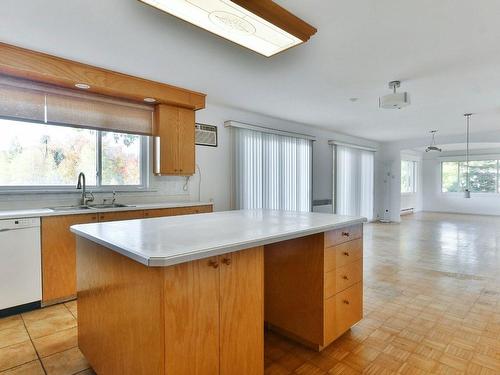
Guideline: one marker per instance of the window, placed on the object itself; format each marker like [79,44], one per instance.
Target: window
[408,176]
[34,155]
[354,181]
[483,176]
[272,171]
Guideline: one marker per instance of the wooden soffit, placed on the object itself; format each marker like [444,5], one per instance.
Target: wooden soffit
[40,67]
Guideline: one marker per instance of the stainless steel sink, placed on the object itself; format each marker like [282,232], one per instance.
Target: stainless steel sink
[69,208]
[111,205]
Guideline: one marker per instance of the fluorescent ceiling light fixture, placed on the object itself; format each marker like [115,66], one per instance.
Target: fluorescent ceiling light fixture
[261,26]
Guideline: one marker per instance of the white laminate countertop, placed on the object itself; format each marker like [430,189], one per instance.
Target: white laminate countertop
[172,240]
[40,212]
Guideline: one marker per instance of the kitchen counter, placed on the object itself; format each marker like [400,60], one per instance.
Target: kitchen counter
[171,240]
[41,212]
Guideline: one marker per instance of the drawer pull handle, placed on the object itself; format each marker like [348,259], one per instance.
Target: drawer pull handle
[346,302]
[226,261]
[213,264]
[345,234]
[346,253]
[345,277]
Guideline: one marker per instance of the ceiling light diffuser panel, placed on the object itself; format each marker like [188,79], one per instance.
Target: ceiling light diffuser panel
[261,26]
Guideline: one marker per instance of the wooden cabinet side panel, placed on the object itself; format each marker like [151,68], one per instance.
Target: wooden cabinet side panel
[242,312]
[166,128]
[186,141]
[192,318]
[120,312]
[59,256]
[294,287]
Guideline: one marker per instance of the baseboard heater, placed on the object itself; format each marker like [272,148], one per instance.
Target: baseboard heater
[407,211]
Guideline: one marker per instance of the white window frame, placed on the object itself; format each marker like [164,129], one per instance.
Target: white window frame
[460,160]
[144,165]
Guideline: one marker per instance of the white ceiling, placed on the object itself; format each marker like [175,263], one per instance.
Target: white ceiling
[446,52]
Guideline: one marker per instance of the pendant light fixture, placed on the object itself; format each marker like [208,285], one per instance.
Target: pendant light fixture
[432,146]
[467,180]
[262,26]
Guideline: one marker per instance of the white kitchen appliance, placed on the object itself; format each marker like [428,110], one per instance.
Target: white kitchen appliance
[20,265]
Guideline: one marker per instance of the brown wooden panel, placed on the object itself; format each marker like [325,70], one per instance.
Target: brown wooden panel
[159,212]
[40,67]
[348,252]
[348,308]
[330,333]
[166,153]
[348,275]
[341,235]
[59,256]
[275,14]
[162,212]
[330,283]
[242,312]
[186,142]
[120,312]
[294,290]
[192,318]
[121,215]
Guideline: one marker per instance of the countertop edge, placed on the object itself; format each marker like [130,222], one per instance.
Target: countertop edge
[214,251]
[44,212]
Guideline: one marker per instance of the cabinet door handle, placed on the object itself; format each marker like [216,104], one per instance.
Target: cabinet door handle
[345,234]
[226,261]
[346,253]
[346,302]
[345,277]
[213,263]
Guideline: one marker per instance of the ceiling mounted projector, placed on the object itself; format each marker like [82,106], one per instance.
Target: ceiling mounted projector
[395,100]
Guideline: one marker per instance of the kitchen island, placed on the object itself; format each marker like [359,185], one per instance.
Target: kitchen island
[185,295]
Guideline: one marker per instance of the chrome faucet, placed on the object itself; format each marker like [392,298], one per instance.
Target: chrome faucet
[81,185]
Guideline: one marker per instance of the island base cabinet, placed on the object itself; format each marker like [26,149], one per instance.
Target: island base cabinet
[201,317]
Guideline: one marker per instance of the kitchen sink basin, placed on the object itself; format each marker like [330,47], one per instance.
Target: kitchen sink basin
[69,208]
[111,205]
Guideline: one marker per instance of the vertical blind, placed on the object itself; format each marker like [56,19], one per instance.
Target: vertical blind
[30,101]
[272,171]
[354,180]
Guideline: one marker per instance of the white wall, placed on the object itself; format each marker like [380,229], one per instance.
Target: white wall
[435,200]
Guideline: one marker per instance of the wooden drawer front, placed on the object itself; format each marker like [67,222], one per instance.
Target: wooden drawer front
[340,255]
[348,308]
[160,212]
[348,275]
[330,284]
[121,215]
[329,321]
[341,235]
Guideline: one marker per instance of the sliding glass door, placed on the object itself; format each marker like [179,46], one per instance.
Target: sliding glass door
[272,171]
[353,181]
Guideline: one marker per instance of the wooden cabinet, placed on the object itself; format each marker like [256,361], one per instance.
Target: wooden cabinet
[215,308]
[174,144]
[161,212]
[120,215]
[314,290]
[59,251]
[59,256]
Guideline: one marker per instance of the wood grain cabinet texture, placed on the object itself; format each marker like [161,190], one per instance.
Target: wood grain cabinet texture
[59,247]
[201,317]
[314,289]
[174,145]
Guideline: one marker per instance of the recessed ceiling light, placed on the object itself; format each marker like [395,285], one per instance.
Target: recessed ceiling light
[262,26]
[149,100]
[83,86]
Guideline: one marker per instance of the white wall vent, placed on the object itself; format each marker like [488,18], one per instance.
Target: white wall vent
[206,135]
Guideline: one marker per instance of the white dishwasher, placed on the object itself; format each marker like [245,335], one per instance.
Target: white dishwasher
[20,265]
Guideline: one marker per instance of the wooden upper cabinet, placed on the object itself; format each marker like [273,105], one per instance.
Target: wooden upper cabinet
[174,145]
[59,256]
